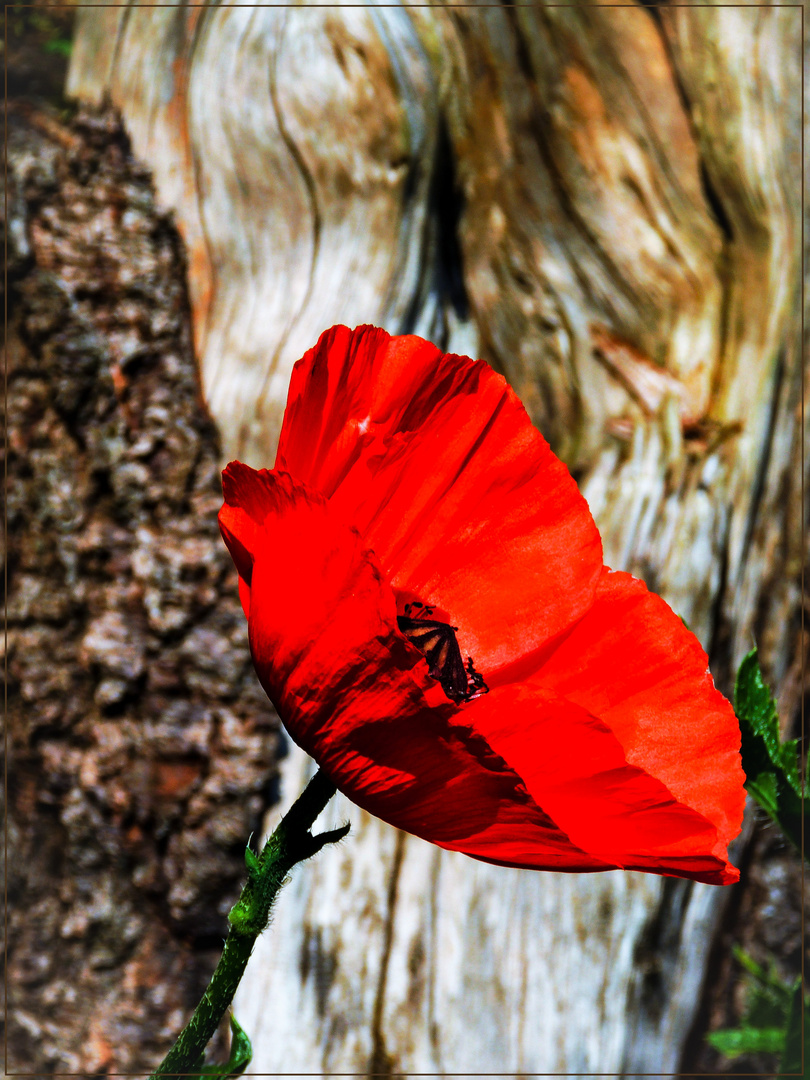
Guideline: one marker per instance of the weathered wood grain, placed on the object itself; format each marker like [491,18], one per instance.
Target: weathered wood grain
[301,182]
[482,970]
[604,203]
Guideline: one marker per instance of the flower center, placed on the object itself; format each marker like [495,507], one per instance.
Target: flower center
[437,643]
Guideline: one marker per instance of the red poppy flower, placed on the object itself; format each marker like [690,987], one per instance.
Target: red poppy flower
[429,613]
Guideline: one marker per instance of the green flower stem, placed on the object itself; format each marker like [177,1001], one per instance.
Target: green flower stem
[289,844]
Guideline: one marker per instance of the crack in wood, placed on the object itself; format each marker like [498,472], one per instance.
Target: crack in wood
[312,194]
[381,1063]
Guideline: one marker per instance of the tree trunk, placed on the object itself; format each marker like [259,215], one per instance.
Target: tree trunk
[604,203]
[141,750]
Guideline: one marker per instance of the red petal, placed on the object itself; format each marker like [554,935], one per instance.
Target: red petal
[575,768]
[434,459]
[632,662]
[356,695]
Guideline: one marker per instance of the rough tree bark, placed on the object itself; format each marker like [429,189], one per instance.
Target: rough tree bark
[141,753]
[605,204]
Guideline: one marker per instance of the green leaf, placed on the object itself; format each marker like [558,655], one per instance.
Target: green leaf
[239,1058]
[754,703]
[241,1050]
[777,990]
[770,766]
[736,1041]
[766,1009]
[59,46]
[792,1056]
[767,1026]
[252,862]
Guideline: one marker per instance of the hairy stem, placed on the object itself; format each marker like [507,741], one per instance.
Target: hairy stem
[291,842]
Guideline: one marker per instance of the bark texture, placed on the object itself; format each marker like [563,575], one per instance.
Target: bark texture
[141,751]
[605,204]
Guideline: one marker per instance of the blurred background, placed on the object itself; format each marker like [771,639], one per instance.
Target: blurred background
[603,203]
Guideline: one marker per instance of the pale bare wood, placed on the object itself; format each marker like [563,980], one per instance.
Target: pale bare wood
[253,166]
[746,85]
[629,241]
[486,967]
